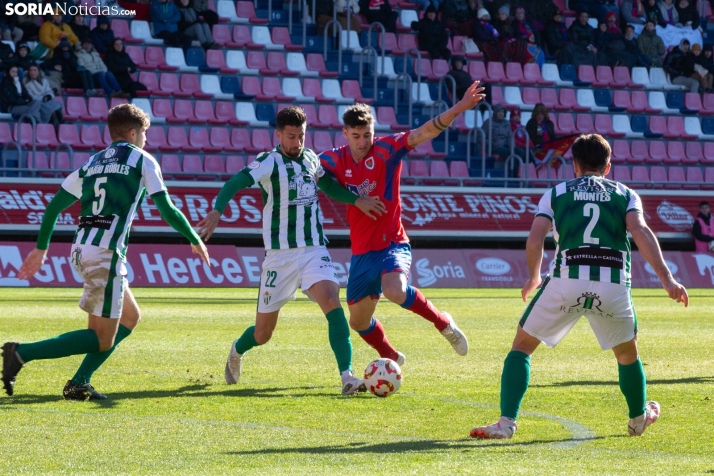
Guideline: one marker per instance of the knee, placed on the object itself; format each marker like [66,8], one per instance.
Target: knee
[105,343]
[262,336]
[359,324]
[333,302]
[395,293]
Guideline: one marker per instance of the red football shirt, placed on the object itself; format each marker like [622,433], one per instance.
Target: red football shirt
[377,174]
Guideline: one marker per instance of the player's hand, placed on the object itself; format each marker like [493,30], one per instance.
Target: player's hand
[676,291]
[208,224]
[32,264]
[530,286]
[370,205]
[472,97]
[201,250]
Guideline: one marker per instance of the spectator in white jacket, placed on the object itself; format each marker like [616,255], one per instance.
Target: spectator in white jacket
[89,58]
[38,87]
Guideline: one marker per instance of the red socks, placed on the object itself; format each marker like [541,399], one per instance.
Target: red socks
[418,304]
[375,337]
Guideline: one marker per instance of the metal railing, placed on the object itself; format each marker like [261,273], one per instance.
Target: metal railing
[369,50]
[405,79]
[418,68]
[383,36]
[19,135]
[339,47]
[471,138]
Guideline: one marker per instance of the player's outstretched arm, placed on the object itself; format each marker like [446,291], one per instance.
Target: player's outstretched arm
[368,205]
[237,183]
[178,222]
[436,126]
[647,243]
[534,253]
[34,261]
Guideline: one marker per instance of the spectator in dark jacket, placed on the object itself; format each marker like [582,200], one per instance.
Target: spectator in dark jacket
[632,12]
[688,15]
[675,64]
[556,35]
[23,57]
[211,17]
[580,49]
[540,128]
[381,11]
[652,12]
[632,49]
[120,64]
[432,35]
[498,132]
[7,56]
[14,98]
[79,28]
[165,18]
[193,25]
[458,16]
[102,36]
[503,22]
[461,78]
[650,44]
[72,75]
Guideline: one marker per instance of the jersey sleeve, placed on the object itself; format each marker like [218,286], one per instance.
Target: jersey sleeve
[328,161]
[545,207]
[392,149]
[635,202]
[315,164]
[260,169]
[151,175]
[73,184]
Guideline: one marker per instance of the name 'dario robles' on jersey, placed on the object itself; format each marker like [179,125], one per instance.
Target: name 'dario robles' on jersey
[108,169]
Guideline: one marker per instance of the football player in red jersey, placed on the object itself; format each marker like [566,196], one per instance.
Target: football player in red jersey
[381,255]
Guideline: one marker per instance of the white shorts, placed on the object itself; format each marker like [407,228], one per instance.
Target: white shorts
[561,302]
[104,276]
[285,270]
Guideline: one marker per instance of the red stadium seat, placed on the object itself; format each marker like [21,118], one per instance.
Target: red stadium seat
[477,70]
[621,75]
[149,79]
[514,72]
[386,115]
[322,141]
[281,36]
[641,175]
[226,113]
[156,140]
[176,137]
[77,107]
[497,95]
[496,74]
[276,62]
[169,83]
[162,108]
[531,96]
[584,123]
[657,152]
[220,139]
[136,53]
[675,153]
[549,98]
[620,151]
[234,164]
[565,124]
[97,107]
[327,114]
[222,35]
[203,110]
[638,153]
[603,74]
[708,153]
[621,173]
[440,68]
[640,102]
[170,165]
[183,111]
[422,68]
[566,97]
[247,10]
[693,101]
[191,85]
[260,141]
[215,59]
[315,62]
[46,136]
[256,60]
[531,72]
[407,41]
[708,103]
[586,73]
[154,59]
[241,38]
[694,178]
[693,153]
[622,99]
[214,164]
[351,89]
[198,137]
[658,176]
[272,88]
[603,126]
[192,164]
[240,139]
[91,136]
[311,88]
[675,129]
[675,174]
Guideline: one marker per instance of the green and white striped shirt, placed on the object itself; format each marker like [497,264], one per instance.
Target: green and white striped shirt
[588,215]
[110,188]
[292,217]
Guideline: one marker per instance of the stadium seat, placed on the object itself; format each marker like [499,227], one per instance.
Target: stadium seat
[512,95]
[281,36]
[214,164]
[659,79]
[676,129]
[532,73]
[550,73]
[477,70]
[316,63]
[265,112]
[603,126]
[641,78]
[176,137]
[351,90]
[227,9]
[239,139]
[222,36]
[296,62]
[140,32]
[349,40]
[549,98]
[170,165]
[497,95]
[154,59]
[708,153]
[192,164]
[91,136]
[531,97]
[106,137]
[658,176]
[322,141]
[272,87]
[693,153]
[190,84]
[251,86]
[657,152]
[260,141]
[327,114]
[620,152]
[641,175]
[657,100]
[694,179]
[604,77]
[236,60]
[586,74]
[658,125]
[514,72]
[245,9]
[215,59]
[149,79]
[386,115]
[638,152]
[220,140]
[136,53]
[565,124]
[640,103]
[77,108]
[421,68]
[156,140]
[708,178]
[621,173]
[225,113]
[566,97]
[586,101]
[621,75]
[675,153]
[45,135]
[203,112]
[234,164]
[169,85]
[275,61]
[496,74]
[255,60]
[182,112]
[440,173]
[584,123]
[79,159]
[260,35]
[331,89]
[311,88]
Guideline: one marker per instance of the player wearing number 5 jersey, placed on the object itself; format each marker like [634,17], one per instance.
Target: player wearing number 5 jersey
[110,187]
[590,276]
[289,177]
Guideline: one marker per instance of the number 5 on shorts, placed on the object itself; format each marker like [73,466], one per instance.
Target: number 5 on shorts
[270,279]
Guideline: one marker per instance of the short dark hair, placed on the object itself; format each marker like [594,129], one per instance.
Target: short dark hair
[629,27]
[701,204]
[591,152]
[359,115]
[290,116]
[124,117]
[651,21]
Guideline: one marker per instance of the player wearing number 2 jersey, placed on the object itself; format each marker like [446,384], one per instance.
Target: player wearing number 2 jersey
[109,187]
[590,276]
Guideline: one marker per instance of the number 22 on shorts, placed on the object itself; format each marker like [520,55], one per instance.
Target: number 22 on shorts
[270,277]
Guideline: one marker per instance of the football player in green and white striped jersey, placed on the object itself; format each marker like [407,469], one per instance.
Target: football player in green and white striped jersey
[590,276]
[110,187]
[296,256]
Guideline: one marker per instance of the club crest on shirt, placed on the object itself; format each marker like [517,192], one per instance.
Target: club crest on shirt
[254,165]
[369,163]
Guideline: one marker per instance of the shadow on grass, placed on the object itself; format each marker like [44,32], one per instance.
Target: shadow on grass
[422,446]
[195,390]
[584,383]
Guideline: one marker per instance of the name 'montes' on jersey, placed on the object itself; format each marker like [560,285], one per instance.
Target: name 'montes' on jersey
[588,216]
[110,187]
[291,215]
[378,174]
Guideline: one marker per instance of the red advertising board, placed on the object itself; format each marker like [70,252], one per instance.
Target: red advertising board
[427,211]
[176,266]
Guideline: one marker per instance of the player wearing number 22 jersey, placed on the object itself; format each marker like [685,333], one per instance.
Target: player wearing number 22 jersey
[381,255]
[590,276]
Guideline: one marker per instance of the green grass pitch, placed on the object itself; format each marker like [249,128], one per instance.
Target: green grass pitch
[169,410]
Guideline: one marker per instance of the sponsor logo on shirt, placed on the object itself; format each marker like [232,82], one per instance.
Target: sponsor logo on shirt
[110,153]
[363,189]
[306,189]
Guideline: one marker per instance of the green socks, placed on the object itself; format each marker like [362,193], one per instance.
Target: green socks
[514,382]
[633,385]
[71,343]
[246,341]
[93,361]
[339,333]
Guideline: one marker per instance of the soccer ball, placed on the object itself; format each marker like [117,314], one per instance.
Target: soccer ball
[383,377]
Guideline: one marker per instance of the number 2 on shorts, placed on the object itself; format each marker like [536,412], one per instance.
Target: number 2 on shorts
[101,195]
[270,279]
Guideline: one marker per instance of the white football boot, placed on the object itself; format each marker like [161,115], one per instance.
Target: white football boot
[232,372]
[401,359]
[456,338]
[503,428]
[638,425]
[352,384]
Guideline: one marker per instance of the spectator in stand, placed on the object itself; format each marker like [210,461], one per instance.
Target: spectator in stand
[595,8]
[73,76]
[40,90]
[486,38]
[632,12]
[610,40]
[498,133]
[687,12]
[462,78]
[29,24]
[427,3]
[9,31]
[538,12]
[457,16]
[669,13]
[7,56]
[80,30]
[53,30]
[102,35]
[650,44]
[679,70]
[122,67]
[707,60]
[381,11]
[194,25]
[540,128]
[503,23]
[209,16]
[652,11]
[89,59]
[580,49]
[556,35]
[14,98]
[23,57]
[324,9]
[165,17]
[632,49]
[431,35]
[697,62]
[527,39]
[519,133]
[703,229]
